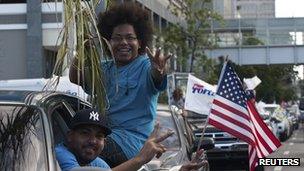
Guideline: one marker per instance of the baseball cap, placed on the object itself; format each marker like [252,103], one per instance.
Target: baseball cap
[90,117]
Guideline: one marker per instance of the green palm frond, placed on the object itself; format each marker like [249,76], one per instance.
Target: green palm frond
[80,38]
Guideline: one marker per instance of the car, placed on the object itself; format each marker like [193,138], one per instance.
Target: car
[181,146]
[294,113]
[31,123]
[270,120]
[283,124]
[227,148]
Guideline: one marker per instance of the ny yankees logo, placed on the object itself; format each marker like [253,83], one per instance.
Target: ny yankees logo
[94,116]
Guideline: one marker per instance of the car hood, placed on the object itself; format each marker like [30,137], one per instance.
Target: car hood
[170,161]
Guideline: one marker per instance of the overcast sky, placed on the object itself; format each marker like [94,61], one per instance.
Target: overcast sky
[289,8]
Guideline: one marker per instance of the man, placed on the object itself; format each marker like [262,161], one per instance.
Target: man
[85,141]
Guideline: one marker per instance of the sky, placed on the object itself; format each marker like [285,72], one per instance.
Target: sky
[291,8]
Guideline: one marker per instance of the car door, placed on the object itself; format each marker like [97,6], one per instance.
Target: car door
[60,109]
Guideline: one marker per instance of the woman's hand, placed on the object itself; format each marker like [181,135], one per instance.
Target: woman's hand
[158,61]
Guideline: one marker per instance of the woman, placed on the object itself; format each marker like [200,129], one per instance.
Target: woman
[139,75]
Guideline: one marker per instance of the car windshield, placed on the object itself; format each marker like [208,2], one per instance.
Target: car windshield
[164,118]
[22,143]
[271,109]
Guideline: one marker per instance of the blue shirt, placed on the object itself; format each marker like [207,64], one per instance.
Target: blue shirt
[133,100]
[67,160]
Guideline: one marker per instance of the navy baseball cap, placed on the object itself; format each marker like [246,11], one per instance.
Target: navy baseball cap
[90,117]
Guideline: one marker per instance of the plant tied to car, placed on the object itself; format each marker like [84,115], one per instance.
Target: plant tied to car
[80,39]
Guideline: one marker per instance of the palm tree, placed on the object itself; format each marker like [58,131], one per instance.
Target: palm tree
[80,39]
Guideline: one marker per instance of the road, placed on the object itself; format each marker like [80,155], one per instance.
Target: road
[292,148]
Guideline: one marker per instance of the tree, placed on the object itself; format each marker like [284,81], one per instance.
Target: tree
[80,38]
[189,40]
[301,86]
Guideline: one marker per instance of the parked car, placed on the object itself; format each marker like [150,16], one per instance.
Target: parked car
[31,123]
[280,116]
[293,114]
[268,118]
[180,147]
[226,147]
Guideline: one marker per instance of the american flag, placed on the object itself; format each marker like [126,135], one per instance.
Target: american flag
[234,113]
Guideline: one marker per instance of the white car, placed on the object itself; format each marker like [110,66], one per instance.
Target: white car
[279,117]
[38,84]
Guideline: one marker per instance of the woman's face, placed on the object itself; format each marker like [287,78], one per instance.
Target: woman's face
[125,44]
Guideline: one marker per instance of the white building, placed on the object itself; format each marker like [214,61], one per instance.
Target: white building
[245,8]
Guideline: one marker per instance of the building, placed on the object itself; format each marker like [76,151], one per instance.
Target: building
[29,31]
[245,8]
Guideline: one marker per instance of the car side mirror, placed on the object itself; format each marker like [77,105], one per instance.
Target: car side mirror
[207,144]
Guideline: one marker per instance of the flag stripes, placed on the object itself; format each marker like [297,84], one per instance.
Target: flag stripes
[265,136]
[234,113]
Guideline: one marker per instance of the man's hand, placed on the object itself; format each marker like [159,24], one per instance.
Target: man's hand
[196,163]
[153,146]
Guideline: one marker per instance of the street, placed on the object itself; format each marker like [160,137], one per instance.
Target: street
[292,148]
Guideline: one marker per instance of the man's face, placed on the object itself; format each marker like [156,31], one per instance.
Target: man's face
[86,142]
[125,44]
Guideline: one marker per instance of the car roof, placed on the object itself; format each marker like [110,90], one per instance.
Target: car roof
[26,97]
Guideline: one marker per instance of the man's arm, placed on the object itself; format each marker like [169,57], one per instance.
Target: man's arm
[151,148]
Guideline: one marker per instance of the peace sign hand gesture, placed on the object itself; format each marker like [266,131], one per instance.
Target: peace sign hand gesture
[153,145]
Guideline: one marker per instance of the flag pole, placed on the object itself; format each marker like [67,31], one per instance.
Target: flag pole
[207,120]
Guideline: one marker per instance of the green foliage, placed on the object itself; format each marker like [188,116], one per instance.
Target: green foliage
[301,85]
[163,97]
[80,39]
[252,41]
[189,39]
[276,83]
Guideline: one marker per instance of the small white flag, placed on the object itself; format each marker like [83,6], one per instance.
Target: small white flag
[199,95]
[252,83]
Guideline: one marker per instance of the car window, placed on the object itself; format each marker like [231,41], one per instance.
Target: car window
[61,116]
[22,140]
[166,121]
